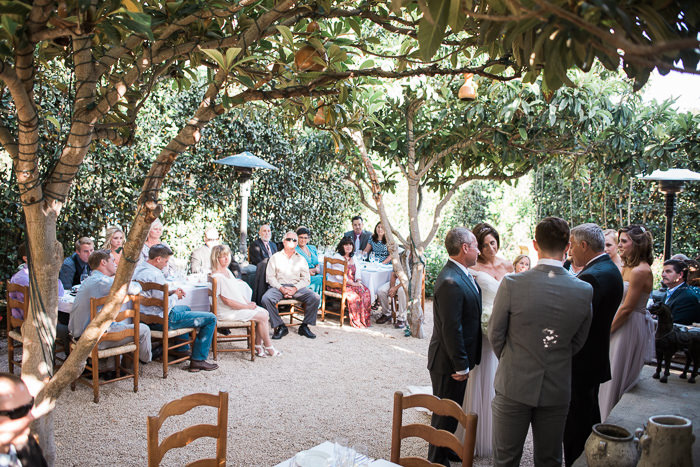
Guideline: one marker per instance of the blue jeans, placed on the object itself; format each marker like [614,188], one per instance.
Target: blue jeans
[181,316]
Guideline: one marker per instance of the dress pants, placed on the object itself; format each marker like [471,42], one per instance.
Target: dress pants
[384,300]
[511,420]
[305,295]
[445,387]
[584,412]
[144,340]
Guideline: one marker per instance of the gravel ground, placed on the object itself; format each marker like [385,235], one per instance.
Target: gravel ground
[339,385]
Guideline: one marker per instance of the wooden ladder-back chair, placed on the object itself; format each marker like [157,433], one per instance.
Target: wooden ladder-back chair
[330,287]
[167,334]
[436,437]
[249,327]
[129,349]
[157,450]
[296,308]
[14,325]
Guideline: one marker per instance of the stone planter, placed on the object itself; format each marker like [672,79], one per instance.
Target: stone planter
[666,441]
[611,446]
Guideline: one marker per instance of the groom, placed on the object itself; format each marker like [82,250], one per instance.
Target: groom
[455,347]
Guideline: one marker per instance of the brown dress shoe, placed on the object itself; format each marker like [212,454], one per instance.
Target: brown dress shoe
[383,319]
[399,324]
[197,365]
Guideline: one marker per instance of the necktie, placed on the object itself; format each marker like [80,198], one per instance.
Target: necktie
[357,242]
[473,282]
[267,247]
[668,295]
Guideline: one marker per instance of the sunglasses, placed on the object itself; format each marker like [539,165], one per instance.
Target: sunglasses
[290,240]
[19,412]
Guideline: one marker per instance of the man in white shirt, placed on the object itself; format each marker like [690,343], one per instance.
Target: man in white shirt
[200,259]
[97,285]
[179,316]
[288,276]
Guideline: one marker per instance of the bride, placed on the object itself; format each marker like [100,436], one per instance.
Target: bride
[488,273]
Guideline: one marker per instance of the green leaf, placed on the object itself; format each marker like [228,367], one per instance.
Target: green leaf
[286,33]
[231,55]
[396,6]
[456,18]
[367,64]
[523,134]
[431,33]
[216,56]
[139,22]
[54,122]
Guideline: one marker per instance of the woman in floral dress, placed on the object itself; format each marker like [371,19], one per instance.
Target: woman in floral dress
[358,300]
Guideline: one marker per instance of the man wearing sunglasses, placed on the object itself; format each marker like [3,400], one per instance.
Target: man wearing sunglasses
[288,276]
[17,446]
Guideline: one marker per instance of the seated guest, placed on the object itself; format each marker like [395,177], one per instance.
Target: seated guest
[18,447]
[358,236]
[21,277]
[390,290]
[233,301]
[521,263]
[684,305]
[358,300]
[310,254]
[377,244]
[179,316]
[97,286]
[200,260]
[263,247]
[75,268]
[114,242]
[288,276]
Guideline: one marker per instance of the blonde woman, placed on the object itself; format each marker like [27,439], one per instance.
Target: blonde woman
[611,247]
[233,301]
[114,242]
[632,330]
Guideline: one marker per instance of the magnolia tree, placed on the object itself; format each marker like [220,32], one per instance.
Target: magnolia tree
[307,55]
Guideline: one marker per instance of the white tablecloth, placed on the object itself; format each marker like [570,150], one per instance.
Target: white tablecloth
[374,275]
[327,447]
[196,297]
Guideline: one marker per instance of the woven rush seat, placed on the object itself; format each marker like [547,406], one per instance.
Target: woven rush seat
[171,332]
[231,322]
[111,352]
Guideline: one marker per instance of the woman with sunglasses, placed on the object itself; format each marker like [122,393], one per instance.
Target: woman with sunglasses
[632,330]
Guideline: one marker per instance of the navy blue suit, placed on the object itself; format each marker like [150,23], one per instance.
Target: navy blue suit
[455,344]
[684,305]
[591,365]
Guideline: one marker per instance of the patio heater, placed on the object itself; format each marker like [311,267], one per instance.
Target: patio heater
[670,182]
[245,164]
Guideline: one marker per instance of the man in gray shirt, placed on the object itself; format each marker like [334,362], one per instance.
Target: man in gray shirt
[96,286]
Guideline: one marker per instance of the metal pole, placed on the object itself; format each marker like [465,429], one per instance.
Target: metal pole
[245,194]
[670,205]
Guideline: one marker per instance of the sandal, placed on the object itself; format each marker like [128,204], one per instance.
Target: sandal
[259,352]
[272,351]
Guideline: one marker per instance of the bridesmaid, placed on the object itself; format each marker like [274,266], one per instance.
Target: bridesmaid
[632,330]
[611,247]
[310,254]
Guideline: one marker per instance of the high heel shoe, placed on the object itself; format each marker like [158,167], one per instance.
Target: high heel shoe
[259,352]
[272,351]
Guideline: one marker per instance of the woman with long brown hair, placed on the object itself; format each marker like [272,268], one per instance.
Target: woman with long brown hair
[632,330]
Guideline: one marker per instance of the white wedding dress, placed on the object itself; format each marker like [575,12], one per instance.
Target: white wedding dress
[480,391]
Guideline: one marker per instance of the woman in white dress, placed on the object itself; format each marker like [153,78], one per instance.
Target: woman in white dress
[233,301]
[488,273]
[632,330]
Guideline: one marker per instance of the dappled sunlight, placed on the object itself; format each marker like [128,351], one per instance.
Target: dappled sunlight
[550,338]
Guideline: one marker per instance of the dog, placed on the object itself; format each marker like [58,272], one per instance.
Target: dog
[671,338]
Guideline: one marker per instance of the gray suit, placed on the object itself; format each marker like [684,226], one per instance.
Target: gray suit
[364,238]
[540,319]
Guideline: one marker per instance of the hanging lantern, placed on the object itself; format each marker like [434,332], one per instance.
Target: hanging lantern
[467,91]
[320,117]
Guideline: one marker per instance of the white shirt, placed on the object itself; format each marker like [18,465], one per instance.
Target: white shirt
[669,292]
[593,259]
[550,262]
